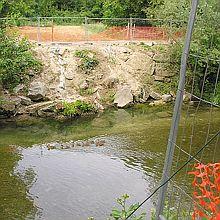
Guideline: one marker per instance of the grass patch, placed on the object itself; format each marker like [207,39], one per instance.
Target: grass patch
[96,28]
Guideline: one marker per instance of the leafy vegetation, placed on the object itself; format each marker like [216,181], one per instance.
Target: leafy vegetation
[76,108]
[171,213]
[17,61]
[124,212]
[92,8]
[88,60]
[205,45]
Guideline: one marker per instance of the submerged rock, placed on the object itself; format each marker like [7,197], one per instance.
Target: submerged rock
[123,97]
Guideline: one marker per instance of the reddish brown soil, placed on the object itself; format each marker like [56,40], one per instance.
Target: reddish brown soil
[78,33]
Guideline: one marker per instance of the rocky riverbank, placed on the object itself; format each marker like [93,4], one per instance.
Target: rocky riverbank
[100,74]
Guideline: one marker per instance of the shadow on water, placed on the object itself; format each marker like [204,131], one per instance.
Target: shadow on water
[84,181]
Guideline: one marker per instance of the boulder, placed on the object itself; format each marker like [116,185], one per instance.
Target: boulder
[37,91]
[167,98]
[25,100]
[39,107]
[7,107]
[155,95]
[123,97]
[15,100]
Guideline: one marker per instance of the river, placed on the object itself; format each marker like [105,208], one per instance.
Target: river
[84,181]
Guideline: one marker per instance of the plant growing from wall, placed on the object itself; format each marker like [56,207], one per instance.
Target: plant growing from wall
[76,108]
[88,60]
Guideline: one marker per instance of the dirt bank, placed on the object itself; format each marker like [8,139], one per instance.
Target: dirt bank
[101,74]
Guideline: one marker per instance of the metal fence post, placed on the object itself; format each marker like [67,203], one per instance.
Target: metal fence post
[128,30]
[52,30]
[177,109]
[86,28]
[38,30]
[131,28]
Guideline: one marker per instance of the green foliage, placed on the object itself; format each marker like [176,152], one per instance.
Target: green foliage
[170,213]
[88,60]
[91,8]
[216,98]
[167,87]
[205,42]
[76,108]
[124,212]
[16,61]
[124,9]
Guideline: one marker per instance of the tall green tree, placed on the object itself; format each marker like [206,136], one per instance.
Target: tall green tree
[125,8]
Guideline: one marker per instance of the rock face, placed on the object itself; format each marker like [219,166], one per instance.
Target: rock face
[123,97]
[42,109]
[37,91]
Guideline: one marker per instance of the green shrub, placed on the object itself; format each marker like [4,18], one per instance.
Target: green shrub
[88,60]
[205,41]
[16,61]
[124,212]
[76,108]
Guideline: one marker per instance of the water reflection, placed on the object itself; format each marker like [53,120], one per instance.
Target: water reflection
[133,156]
[81,182]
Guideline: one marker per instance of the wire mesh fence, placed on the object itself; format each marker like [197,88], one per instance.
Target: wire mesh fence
[75,29]
[202,88]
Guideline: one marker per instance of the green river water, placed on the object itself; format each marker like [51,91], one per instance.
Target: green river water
[38,183]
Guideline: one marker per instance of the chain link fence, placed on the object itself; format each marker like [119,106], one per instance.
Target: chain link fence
[76,29]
